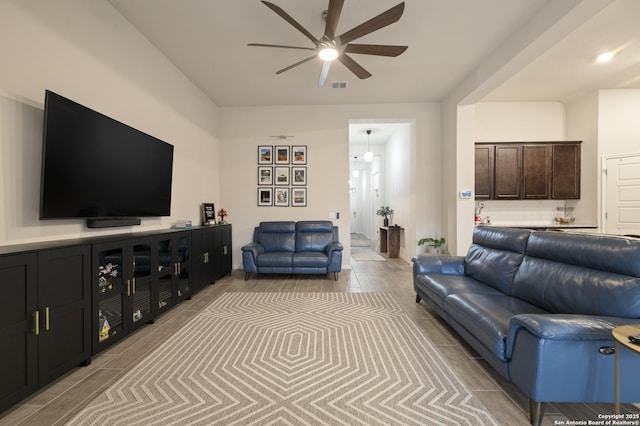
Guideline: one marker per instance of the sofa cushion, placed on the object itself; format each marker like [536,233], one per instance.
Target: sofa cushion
[495,255]
[581,274]
[487,317]
[275,259]
[313,235]
[310,259]
[439,286]
[276,236]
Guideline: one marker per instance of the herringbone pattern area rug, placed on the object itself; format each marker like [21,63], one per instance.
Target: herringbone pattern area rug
[292,359]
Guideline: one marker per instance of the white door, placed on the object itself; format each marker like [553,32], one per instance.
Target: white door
[622,195]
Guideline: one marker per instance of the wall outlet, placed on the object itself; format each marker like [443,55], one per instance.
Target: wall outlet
[465,193]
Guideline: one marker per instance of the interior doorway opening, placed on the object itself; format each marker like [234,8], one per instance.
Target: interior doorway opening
[373,180]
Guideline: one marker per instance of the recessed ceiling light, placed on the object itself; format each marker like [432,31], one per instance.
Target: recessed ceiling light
[605,57]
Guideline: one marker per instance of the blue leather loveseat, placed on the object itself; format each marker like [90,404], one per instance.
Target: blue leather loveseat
[539,306]
[304,247]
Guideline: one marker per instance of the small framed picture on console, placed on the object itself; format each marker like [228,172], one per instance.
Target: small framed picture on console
[208,213]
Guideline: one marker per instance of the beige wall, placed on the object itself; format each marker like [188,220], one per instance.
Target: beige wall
[88,52]
[324,130]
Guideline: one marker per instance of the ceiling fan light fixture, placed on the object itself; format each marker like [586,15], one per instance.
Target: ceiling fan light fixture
[328,54]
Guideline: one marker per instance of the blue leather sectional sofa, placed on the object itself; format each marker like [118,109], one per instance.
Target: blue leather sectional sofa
[539,306]
[304,247]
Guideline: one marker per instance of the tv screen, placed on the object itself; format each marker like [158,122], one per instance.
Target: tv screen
[96,167]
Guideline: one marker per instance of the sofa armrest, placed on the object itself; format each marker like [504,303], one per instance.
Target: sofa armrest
[250,253]
[334,246]
[448,265]
[334,253]
[254,248]
[564,327]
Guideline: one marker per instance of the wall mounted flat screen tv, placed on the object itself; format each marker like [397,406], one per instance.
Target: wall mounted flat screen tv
[96,167]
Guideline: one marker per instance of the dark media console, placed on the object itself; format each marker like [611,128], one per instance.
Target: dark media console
[65,301]
[112,222]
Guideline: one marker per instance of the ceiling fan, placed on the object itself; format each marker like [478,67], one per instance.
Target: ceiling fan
[330,47]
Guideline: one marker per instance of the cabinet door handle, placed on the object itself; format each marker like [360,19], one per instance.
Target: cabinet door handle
[46,318]
[36,323]
[224,250]
[206,257]
[128,288]
[134,285]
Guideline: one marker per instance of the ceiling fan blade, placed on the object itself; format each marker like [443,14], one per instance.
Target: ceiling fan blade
[374,24]
[284,15]
[375,49]
[354,67]
[333,15]
[296,64]
[280,46]
[324,72]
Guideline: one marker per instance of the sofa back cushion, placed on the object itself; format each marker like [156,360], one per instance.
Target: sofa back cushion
[314,235]
[495,255]
[581,274]
[276,236]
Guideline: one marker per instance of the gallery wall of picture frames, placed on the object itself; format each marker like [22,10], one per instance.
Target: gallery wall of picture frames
[282,175]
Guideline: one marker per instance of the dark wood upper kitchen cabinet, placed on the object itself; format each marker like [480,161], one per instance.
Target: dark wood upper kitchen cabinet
[531,170]
[508,171]
[484,171]
[565,171]
[536,165]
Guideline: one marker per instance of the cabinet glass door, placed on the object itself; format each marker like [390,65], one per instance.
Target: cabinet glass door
[183,265]
[110,293]
[140,284]
[166,270]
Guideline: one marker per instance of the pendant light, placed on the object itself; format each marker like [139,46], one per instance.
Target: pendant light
[368,156]
[356,172]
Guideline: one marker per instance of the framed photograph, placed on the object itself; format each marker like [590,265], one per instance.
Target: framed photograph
[208,211]
[265,196]
[265,175]
[298,197]
[281,197]
[282,154]
[281,175]
[299,154]
[298,176]
[265,154]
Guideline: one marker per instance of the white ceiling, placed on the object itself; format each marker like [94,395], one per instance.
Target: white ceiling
[448,41]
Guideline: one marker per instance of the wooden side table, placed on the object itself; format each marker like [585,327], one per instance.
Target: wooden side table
[390,240]
[621,336]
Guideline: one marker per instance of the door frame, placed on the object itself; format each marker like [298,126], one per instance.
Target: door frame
[604,184]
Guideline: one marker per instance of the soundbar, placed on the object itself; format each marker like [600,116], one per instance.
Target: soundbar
[112,222]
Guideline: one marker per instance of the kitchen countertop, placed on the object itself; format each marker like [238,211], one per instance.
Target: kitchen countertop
[548,225]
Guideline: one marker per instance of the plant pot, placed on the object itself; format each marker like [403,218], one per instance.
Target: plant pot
[386,222]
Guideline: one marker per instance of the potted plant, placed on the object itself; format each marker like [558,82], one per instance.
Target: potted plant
[436,243]
[222,213]
[385,212]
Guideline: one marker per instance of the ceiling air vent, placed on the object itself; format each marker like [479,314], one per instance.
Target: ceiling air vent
[339,85]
